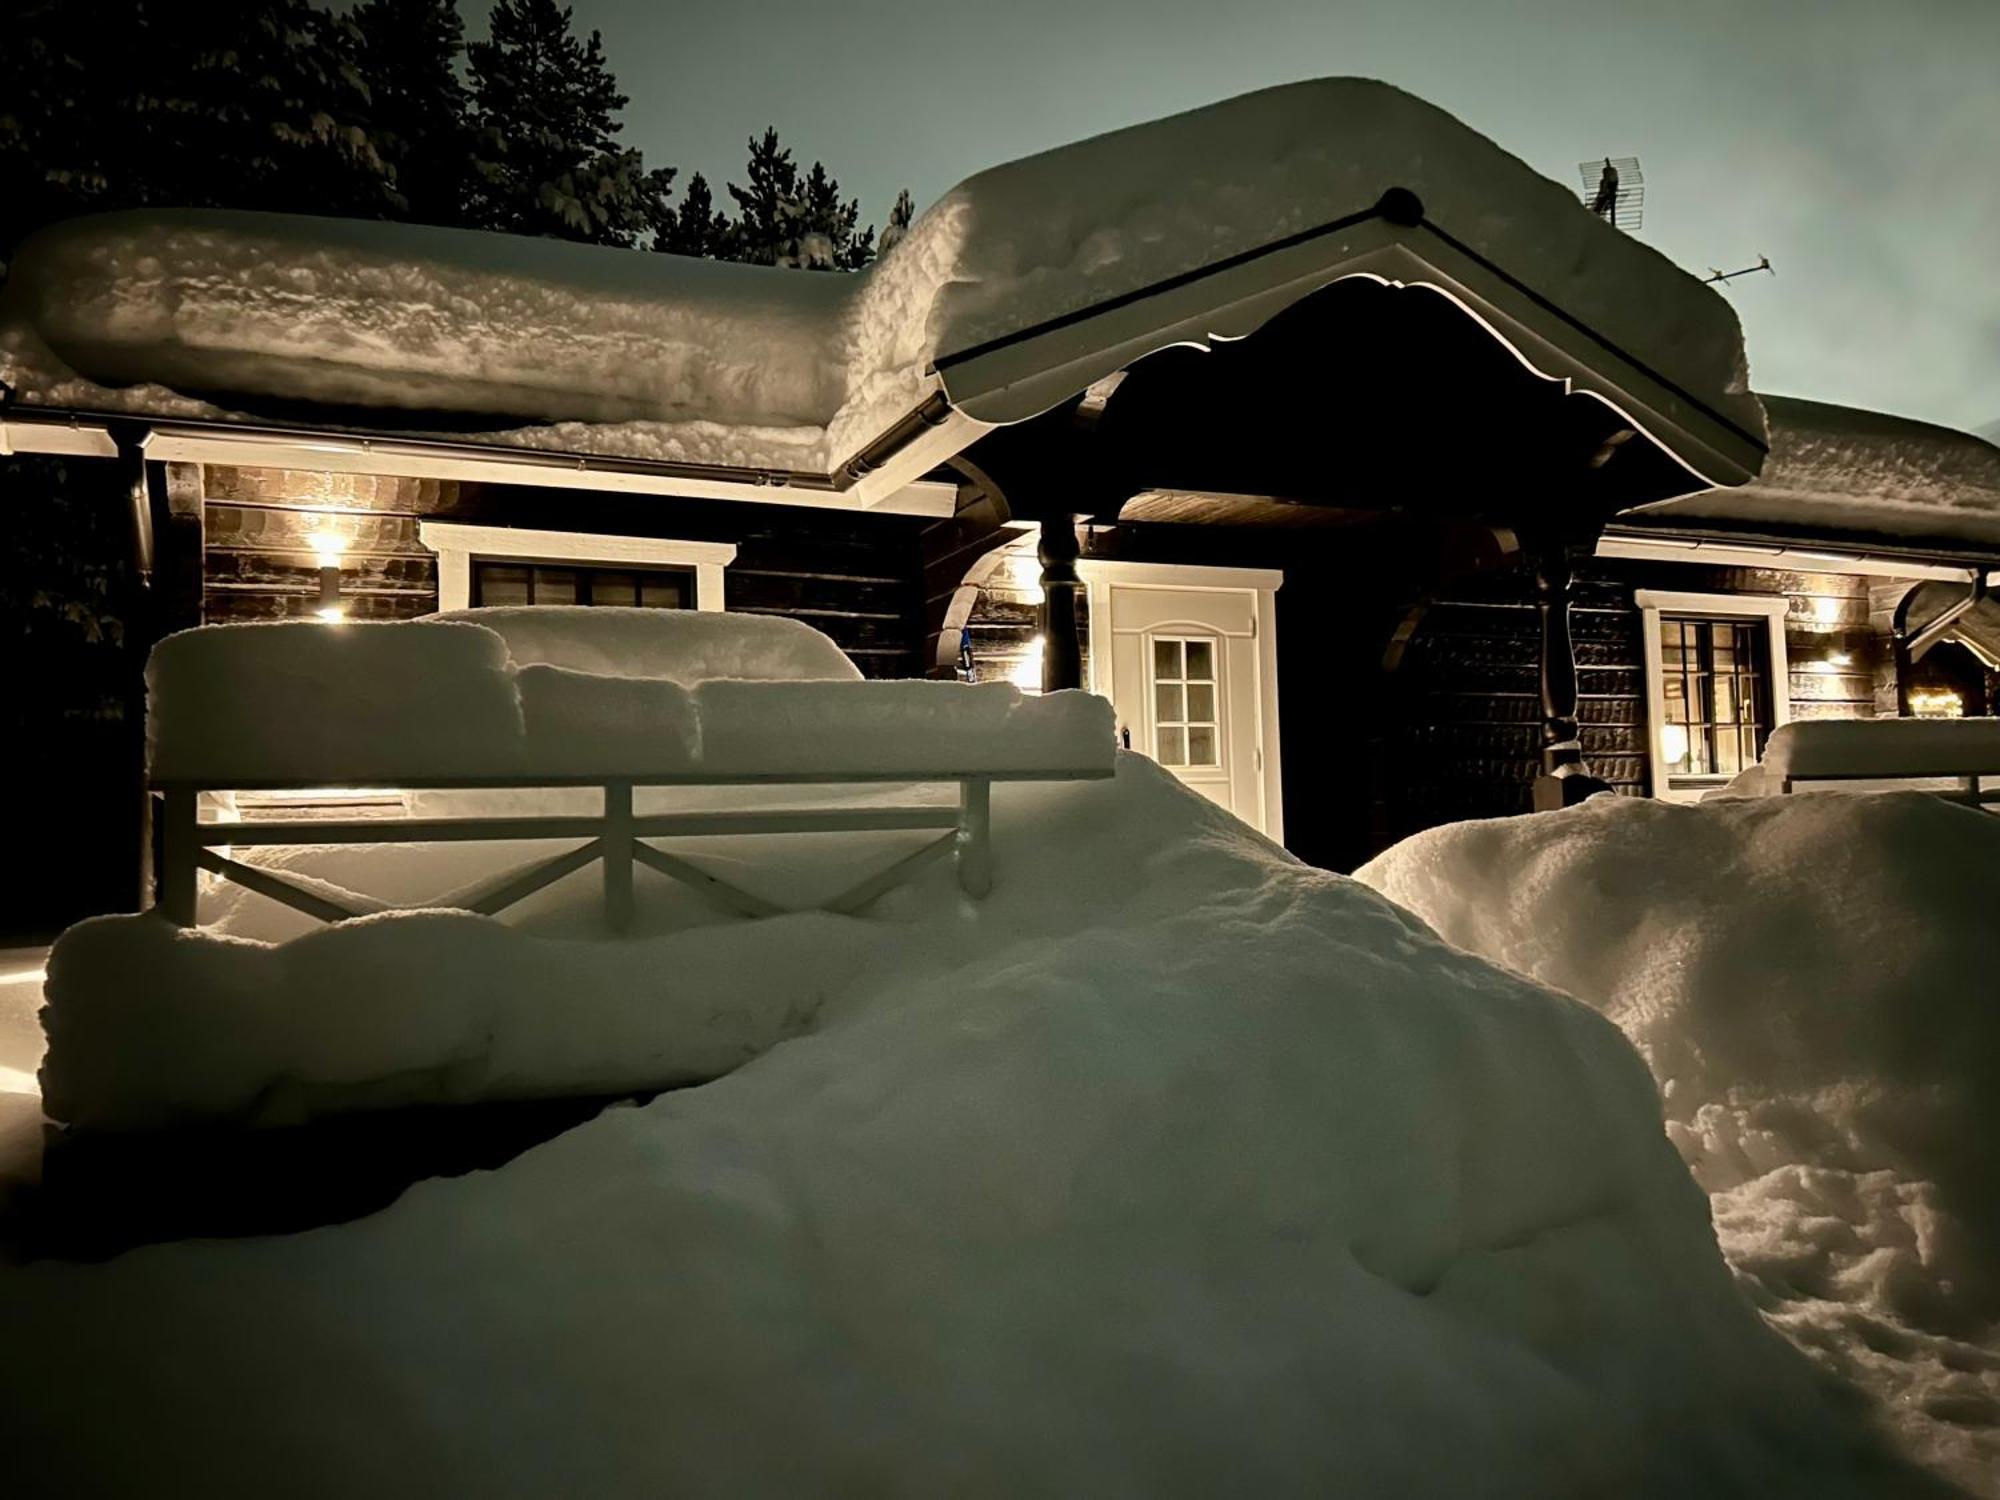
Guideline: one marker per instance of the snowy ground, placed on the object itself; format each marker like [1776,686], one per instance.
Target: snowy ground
[1813,981]
[1174,1167]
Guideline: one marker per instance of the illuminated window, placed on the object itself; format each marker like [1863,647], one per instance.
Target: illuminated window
[1187,725]
[510,582]
[1714,709]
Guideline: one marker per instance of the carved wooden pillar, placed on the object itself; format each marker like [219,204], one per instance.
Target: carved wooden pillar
[1062,646]
[1565,779]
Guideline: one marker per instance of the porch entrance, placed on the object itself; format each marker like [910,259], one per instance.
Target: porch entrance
[1188,658]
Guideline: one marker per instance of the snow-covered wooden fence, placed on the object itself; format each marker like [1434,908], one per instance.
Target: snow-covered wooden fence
[616,838]
[1965,751]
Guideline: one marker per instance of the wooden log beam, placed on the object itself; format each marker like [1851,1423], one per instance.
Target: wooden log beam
[1565,779]
[1062,644]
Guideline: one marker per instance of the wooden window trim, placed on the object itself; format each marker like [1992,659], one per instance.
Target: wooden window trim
[1771,609]
[457,544]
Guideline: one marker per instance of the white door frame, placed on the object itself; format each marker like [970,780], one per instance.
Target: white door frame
[1099,575]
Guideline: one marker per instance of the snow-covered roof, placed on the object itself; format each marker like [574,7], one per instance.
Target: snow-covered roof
[1014,291]
[1836,472]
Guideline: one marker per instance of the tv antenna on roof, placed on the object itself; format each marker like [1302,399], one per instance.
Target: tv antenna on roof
[1763,264]
[1615,190]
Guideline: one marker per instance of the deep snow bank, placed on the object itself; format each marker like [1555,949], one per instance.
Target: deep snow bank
[1813,981]
[1174,1167]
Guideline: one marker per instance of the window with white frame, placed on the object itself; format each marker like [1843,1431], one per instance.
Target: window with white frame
[518,565]
[1716,685]
[1187,721]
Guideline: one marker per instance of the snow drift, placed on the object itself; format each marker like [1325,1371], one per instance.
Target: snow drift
[604,351]
[1812,979]
[592,692]
[1174,1167]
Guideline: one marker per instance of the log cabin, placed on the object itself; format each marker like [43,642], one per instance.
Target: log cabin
[1374,480]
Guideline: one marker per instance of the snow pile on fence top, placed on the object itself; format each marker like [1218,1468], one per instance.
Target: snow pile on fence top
[1835,469]
[675,645]
[302,703]
[660,356]
[1172,1168]
[1883,747]
[1812,982]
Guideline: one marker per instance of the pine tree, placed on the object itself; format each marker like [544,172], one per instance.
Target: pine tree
[785,221]
[899,223]
[248,103]
[408,53]
[546,112]
[696,227]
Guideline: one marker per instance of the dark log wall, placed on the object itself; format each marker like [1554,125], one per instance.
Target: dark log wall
[259,563]
[855,577]
[1467,738]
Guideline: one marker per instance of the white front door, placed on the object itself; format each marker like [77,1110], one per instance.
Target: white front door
[1188,659]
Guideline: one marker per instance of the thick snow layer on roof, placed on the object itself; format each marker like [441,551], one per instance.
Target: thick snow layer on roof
[1812,982]
[1172,1168]
[652,693]
[1834,471]
[659,356]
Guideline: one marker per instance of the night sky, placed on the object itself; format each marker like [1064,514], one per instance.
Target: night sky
[1856,144]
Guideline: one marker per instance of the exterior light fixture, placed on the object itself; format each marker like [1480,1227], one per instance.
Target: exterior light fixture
[1936,703]
[327,546]
[1026,673]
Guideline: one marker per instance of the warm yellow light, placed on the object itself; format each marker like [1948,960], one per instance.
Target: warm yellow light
[333,614]
[1936,703]
[1674,743]
[327,547]
[1027,670]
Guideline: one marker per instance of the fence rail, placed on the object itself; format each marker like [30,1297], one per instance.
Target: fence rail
[616,839]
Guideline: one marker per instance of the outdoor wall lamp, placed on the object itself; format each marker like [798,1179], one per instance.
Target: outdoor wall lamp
[327,548]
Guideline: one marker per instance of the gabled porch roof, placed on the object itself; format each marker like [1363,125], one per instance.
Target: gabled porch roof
[266,339]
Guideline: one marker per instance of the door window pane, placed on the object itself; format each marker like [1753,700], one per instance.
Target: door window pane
[1187,729]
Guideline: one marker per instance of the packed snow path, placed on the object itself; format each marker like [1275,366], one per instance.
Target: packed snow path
[1174,1167]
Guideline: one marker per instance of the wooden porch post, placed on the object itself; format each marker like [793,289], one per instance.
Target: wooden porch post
[1565,779]
[1062,646]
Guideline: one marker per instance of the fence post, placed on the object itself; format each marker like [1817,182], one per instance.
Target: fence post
[975,835]
[177,857]
[618,855]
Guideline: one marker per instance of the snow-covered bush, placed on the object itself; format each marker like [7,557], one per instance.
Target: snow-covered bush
[1813,981]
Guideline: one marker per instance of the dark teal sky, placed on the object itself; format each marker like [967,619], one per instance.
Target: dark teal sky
[1856,144]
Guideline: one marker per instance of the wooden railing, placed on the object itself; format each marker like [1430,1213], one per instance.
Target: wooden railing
[615,838]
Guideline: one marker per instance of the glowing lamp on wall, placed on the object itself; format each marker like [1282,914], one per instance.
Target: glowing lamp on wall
[1936,703]
[1026,673]
[327,546]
